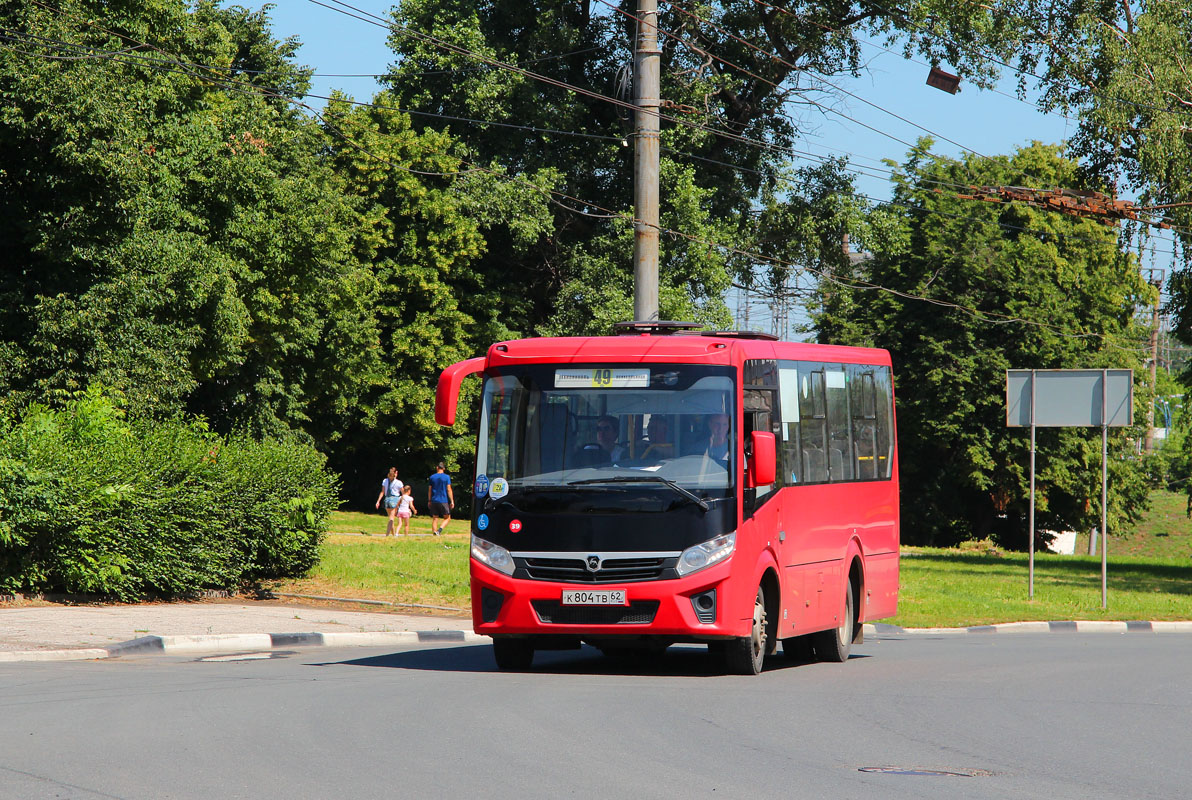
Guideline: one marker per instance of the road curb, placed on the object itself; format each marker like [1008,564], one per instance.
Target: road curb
[250,642]
[241,643]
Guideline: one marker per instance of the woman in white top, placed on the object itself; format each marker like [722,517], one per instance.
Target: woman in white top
[405,510]
[391,494]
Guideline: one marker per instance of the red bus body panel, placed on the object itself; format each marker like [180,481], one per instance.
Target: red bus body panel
[805,538]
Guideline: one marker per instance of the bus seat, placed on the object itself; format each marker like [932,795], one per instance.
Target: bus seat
[814,469]
[836,462]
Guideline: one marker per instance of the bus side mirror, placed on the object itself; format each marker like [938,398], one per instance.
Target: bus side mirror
[447,392]
[763,459]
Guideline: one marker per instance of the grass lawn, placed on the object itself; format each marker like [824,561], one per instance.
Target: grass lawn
[419,569]
[1149,574]
[952,588]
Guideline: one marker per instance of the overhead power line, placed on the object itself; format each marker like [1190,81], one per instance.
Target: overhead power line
[853,283]
[188,68]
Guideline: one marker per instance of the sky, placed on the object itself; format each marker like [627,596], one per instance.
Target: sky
[345,51]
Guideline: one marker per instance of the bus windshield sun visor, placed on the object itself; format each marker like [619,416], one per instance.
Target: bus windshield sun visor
[690,495]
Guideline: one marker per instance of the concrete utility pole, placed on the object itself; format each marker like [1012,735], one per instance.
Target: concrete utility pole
[1149,442]
[647,60]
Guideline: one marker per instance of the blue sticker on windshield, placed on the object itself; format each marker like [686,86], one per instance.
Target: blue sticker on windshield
[482,522]
[481,485]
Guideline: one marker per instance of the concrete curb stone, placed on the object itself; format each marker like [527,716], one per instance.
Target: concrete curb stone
[255,642]
[241,643]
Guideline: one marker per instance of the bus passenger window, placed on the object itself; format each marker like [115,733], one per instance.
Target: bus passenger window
[840,445]
[863,406]
[790,453]
[883,407]
[813,423]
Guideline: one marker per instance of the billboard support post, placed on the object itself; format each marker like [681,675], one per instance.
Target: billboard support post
[1031,571]
[1104,486]
[1065,398]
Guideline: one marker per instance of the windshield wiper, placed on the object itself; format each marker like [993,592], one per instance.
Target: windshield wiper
[690,495]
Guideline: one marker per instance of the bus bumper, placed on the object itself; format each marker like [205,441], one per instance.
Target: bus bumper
[698,607]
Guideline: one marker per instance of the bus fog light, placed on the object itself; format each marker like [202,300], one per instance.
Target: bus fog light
[705,554]
[492,555]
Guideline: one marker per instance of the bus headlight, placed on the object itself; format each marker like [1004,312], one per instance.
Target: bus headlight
[492,555]
[705,554]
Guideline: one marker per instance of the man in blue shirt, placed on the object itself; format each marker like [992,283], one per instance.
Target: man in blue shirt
[440,498]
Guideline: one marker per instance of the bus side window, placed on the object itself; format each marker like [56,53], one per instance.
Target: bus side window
[790,453]
[883,409]
[863,407]
[813,423]
[840,445]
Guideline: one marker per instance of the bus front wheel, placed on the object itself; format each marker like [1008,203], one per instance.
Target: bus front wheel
[834,644]
[745,654]
[513,655]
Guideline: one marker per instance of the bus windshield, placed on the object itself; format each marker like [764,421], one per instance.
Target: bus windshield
[605,429]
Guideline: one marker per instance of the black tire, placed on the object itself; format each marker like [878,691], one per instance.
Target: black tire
[513,655]
[834,645]
[746,654]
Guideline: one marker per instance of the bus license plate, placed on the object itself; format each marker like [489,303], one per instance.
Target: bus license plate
[595,597]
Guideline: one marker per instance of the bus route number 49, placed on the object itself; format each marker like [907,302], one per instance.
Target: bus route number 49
[600,597]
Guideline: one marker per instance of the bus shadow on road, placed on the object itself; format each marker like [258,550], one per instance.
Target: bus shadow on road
[677,661]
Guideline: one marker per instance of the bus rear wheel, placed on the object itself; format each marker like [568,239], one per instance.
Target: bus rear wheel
[745,654]
[835,644]
[513,655]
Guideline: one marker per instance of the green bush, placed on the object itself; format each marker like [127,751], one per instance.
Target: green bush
[92,502]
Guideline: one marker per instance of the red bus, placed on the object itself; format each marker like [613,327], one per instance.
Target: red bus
[664,486]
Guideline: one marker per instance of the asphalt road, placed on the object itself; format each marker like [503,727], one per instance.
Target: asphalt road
[983,716]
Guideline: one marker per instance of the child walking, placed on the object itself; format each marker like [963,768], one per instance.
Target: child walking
[405,510]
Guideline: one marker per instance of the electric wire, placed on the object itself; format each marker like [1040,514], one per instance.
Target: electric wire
[376,20]
[784,151]
[992,317]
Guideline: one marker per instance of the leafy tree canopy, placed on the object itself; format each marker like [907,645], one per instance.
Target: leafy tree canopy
[976,291]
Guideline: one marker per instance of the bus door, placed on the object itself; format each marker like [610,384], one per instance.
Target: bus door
[763,518]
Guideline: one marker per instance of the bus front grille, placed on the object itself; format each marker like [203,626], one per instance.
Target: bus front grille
[555,613]
[612,570]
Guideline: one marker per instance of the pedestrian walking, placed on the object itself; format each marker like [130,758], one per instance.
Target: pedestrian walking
[440,499]
[405,510]
[391,496]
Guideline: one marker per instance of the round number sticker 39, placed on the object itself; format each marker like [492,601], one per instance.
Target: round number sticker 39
[515,526]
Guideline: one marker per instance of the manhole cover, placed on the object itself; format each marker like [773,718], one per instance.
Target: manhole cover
[935,773]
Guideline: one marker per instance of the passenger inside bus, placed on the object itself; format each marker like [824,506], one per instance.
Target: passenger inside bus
[714,443]
[605,449]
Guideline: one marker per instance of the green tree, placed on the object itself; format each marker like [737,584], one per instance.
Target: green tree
[171,228]
[425,213]
[969,292]
[1121,68]
[742,80]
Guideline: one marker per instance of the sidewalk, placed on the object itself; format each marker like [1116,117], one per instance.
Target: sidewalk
[72,632]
